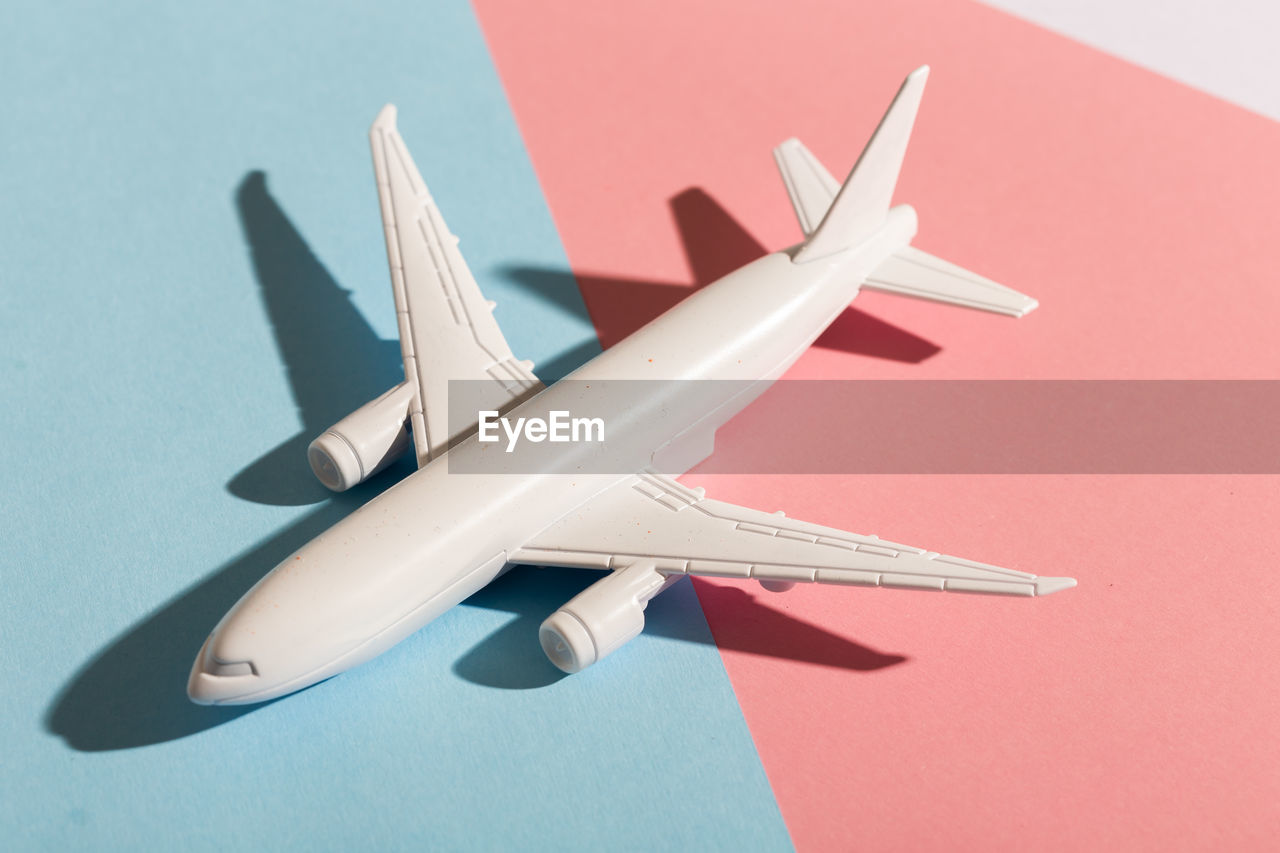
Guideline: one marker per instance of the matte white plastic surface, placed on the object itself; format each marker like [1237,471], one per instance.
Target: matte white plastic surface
[598,621]
[859,207]
[809,184]
[908,271]
[654,520]
[364,442]
[447,330]
[436,537]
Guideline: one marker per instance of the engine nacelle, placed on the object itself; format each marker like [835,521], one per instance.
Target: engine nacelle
[364,442]
[602,618]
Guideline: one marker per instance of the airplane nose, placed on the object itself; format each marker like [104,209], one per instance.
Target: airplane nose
[217,682]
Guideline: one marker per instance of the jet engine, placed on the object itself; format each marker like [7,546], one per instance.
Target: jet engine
[364,442]
[602,618]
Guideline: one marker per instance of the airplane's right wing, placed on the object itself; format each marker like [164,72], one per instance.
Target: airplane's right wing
[651,518]
[909,271]
[447,328]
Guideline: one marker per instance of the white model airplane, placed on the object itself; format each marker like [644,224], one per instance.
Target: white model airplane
[435,538]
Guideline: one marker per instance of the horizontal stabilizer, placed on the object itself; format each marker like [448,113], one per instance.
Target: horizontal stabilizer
[809,184]
[911,272]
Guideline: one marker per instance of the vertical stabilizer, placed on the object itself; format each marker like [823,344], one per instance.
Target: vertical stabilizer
[862,203]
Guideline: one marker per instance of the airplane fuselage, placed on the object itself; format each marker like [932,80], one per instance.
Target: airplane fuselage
[438,536]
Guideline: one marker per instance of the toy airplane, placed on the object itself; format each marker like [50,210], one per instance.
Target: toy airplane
[435,538]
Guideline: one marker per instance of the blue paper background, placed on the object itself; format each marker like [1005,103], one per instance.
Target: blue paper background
[192,285]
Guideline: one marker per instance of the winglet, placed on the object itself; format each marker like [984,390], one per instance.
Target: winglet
[860,207]
[386,117]
[1045,586]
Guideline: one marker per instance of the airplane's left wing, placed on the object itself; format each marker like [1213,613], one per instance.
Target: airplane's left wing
[447,328]
[654,519]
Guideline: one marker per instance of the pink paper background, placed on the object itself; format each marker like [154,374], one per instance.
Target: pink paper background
[1137,711]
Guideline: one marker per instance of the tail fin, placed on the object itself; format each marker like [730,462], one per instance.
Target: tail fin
[862,203]
[835,217]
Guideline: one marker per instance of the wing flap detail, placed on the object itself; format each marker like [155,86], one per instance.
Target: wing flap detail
[634,520]
[447,328]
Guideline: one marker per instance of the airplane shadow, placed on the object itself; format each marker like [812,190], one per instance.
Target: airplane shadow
[132,693]
[334,360]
